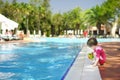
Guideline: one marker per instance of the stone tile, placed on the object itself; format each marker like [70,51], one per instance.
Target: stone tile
[81,69]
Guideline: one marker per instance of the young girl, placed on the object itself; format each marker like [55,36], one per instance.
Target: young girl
[99,53]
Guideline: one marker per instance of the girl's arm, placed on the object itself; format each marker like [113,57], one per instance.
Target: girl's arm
[97,57]
[96,62]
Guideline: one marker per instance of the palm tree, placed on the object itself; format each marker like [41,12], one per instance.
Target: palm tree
[57,23]
[95,16]
[75,14]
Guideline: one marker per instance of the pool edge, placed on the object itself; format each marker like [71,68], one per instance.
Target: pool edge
[81,70]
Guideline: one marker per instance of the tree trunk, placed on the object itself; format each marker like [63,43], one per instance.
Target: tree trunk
[113,31]
[42,32]
[66,31]
[77,27]
[52,30]
[101,32]
[58,30]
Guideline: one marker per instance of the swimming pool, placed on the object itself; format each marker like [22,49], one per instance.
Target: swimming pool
[48,59]
[36,61]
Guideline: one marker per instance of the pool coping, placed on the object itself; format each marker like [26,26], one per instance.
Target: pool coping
[82,69]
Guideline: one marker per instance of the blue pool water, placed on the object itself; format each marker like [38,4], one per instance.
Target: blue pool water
[36,61]
[77,40]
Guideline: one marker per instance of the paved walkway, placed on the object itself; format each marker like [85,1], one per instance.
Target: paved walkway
[111,70]
[82,69]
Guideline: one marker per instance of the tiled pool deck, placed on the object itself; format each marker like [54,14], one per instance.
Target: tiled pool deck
[82,69]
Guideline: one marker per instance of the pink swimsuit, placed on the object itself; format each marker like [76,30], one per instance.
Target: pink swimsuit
[100,54]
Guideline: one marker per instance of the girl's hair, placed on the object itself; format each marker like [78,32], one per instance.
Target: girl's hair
[92,42]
